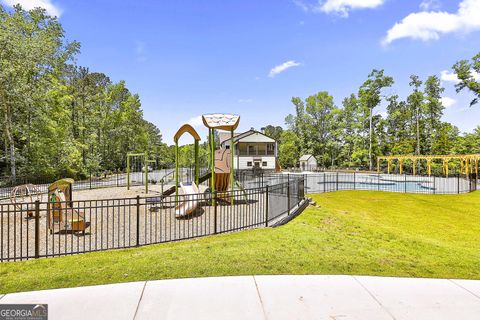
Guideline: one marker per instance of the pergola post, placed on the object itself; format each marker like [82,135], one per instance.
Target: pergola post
[467,167]
[414,164]
[389,166]
[476,168]
[401,166]
[429,167]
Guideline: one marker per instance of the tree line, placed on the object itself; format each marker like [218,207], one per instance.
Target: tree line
[57,118]
[354,134]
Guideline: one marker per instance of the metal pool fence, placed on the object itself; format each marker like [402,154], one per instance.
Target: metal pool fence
[334,181]
[34,230]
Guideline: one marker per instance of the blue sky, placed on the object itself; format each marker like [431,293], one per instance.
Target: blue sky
[189,57]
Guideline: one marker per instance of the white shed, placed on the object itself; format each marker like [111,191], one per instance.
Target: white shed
[308,162]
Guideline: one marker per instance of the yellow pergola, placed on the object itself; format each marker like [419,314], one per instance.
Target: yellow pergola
[469,162]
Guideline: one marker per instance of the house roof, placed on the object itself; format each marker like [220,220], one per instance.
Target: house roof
[236,138]
[305,157]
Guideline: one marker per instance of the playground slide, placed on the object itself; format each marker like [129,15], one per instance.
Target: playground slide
[189,200]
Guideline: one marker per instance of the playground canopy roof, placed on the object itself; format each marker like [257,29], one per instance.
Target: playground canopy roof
[221,121]
[60,183]
[186,128]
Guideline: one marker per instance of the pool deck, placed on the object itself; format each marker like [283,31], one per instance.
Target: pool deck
[265,297]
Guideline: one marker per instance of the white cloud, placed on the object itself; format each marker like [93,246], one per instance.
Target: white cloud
[429,25]
[51,8]
[302,5]
[427,5]
[282,67]
[447,102]
[341,7]
[448,76]
[195,121]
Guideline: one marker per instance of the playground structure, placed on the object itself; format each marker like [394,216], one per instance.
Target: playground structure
[61,215]
[221,162]
[25,193]
[469,163]
[225,175]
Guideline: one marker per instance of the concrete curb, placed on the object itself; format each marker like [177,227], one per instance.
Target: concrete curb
[265,297]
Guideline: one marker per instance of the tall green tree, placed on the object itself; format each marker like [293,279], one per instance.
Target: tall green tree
[289,149]
[370,95]
[464,70]
[33,51]
[274,132]
[433,109]
[415,102]
[57,118]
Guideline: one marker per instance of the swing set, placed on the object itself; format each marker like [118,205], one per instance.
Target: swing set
[135,160]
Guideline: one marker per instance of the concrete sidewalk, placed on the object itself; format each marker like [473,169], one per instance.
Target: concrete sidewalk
[265,297]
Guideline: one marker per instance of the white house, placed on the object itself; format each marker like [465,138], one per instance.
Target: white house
[308,162]
[253,149]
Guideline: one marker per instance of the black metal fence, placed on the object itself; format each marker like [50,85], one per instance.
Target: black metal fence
[33,230]
[43,229]
[106,180]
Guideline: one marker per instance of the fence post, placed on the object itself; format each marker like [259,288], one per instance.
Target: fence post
[354,181]
[266,206]
[336,182]
[324,182]
[434,188]
[215,213]
[37,229]
[288,197]
[90,182]
[378,181]
[458,183]
[138,222]
[405,183]
[117,178]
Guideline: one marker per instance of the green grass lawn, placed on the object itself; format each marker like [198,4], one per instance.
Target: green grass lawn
[353,232]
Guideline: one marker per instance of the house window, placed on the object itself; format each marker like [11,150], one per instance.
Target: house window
[249,163]
[264,163]
[271,149]
[252,150]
